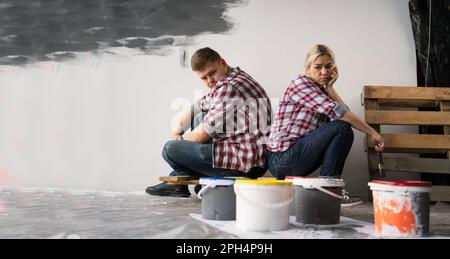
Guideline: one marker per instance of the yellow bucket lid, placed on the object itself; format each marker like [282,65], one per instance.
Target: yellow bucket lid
[263,182]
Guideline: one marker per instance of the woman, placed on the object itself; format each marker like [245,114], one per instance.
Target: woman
[312,124]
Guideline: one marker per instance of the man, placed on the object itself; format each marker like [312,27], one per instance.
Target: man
[231,124]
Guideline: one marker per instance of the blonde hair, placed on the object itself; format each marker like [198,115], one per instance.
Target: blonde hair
[317,51]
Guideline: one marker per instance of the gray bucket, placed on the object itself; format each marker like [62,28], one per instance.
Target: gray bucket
[292,211]
[318,200]
[218,199]
[292,208]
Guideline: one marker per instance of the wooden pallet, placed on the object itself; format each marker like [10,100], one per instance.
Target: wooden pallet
[401,104]
[179,180]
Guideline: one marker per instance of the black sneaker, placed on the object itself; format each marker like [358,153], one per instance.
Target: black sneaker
[350,201]
[164,189]
[197,188]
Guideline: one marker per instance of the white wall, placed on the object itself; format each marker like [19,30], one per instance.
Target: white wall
[101,121]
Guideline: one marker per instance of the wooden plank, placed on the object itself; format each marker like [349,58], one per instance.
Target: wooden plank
[372,105]
[187,182]
[440,193]
[407,117]
[407,93]
[176,178]
[413,164]
[415,151]
[408,103]
[416,141]
[445,107]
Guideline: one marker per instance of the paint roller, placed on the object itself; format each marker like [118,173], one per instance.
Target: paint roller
[381,165]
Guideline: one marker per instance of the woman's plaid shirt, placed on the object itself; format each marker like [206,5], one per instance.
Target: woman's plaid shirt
[303,108]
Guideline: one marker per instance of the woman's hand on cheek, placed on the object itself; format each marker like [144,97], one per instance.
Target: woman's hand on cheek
[333,77]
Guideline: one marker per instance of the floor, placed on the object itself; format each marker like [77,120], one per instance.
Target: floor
[61,214]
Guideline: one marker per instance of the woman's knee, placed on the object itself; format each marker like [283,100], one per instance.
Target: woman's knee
[343,127]
[342,124]
[347,128]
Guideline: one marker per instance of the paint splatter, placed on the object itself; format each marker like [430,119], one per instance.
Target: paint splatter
[394,213]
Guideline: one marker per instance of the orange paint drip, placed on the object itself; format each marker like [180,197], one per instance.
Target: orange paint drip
[387,213]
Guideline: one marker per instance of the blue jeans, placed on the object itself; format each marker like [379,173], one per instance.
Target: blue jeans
[194,159]
[326,146]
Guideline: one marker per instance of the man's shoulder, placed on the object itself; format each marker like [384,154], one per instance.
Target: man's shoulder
[234,75]
[240,83]
[226,88]
[243,79]
[236,78]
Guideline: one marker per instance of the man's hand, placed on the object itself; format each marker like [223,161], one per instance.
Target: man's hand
[198,135]
[177,136]
[333,78]
[378,141]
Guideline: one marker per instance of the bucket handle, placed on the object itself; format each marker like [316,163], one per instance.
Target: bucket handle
[204,188]
[264,206]
[330,193]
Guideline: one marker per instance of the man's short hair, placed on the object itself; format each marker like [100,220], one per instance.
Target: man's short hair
[203,56]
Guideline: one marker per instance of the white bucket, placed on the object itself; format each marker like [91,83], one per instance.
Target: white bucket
[263,205]
[401,208]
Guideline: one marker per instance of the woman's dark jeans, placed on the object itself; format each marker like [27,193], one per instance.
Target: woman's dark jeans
[326,146]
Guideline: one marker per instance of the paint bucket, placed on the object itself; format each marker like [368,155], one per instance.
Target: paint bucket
[318,200]
[218,198]
[401,208]
[262,205]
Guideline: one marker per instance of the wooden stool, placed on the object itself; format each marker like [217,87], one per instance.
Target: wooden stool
[179,180]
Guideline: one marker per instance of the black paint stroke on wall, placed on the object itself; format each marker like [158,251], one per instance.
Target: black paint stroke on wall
[37,30]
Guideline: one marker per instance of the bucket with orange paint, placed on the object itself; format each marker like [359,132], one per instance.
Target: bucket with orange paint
[401,208]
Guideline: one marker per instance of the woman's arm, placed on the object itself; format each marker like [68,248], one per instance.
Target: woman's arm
[375,137]
[334,95]
[350,117]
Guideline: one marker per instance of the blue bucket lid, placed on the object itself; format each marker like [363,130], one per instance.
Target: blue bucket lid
[216,181]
